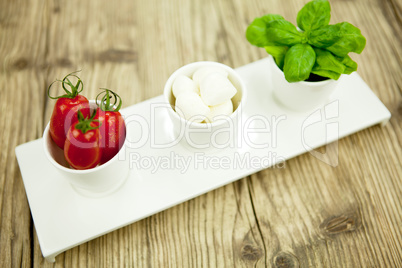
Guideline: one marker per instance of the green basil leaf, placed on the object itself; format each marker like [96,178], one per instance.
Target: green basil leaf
[324,36]
[350,40]
[256,32]
[314,15]
[351,66]
[299,60]
[278,52]
[325,60]
[327,65]
[283,33]
[326,73]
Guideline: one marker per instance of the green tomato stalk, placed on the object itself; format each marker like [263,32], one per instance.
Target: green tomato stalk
[84,124]
[74,89]
[105,104]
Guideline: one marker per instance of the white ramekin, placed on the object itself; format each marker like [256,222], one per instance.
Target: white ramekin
[206,135]
[303,95]
[95,182]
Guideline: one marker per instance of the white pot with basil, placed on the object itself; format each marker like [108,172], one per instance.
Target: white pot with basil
[307,61]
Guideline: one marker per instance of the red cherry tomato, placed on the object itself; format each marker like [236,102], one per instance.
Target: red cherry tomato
[64,115]
[81,149]
[112,132]
[65,110]
[113,128]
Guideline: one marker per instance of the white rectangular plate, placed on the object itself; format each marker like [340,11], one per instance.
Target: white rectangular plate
[64,219]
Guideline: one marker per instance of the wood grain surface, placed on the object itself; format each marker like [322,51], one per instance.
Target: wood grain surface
[307,214]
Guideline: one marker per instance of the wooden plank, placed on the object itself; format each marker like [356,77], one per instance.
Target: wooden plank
[306,214]
[22,48]
[318,215]
[16,127]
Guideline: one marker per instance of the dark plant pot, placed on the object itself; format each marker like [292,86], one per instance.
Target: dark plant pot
[316,78]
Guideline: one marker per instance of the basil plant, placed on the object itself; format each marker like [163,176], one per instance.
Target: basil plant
[314,48]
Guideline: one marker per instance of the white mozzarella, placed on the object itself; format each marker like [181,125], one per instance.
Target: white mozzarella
[216,89]
[190,106]
[182,84]
[225,109]
[201,73]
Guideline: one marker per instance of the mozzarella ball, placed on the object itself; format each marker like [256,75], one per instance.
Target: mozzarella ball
[225,109]
[201,73]
[216,89]
[190,106]
[182,84]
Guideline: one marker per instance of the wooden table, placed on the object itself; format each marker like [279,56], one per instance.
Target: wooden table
[308,214]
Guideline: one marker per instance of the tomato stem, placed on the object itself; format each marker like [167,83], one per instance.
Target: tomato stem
[84,124]
[105,103]
[74,89]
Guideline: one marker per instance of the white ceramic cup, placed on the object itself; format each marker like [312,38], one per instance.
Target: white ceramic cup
[95,182]
[300,96]
[218,134]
